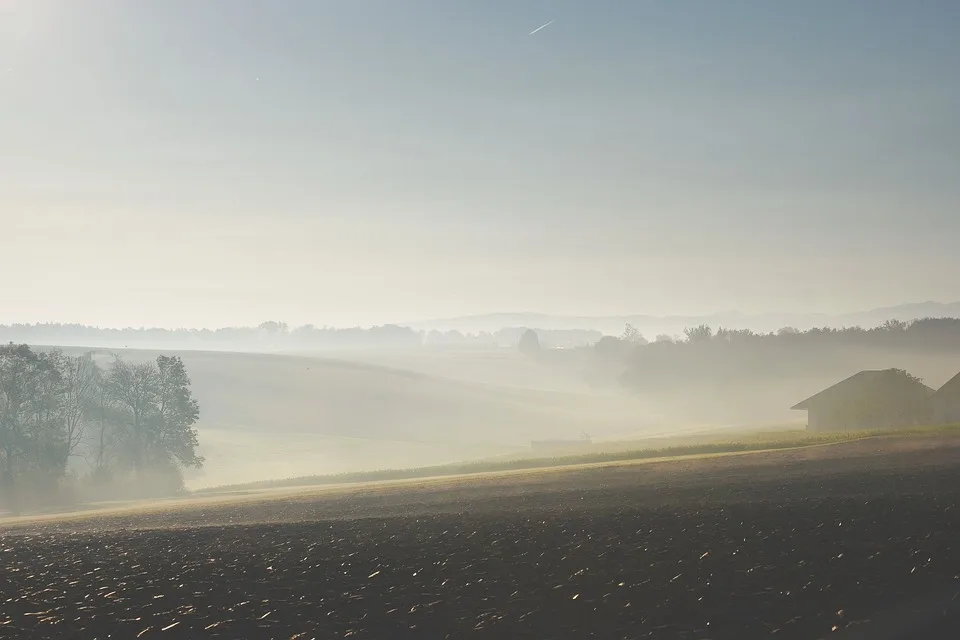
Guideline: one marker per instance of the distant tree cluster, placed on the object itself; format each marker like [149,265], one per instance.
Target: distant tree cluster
[705,354]
[128,422]
[278,335]
[632,336]
[510,336]
[529,344]
[613,349]
[454,339]
[267,336]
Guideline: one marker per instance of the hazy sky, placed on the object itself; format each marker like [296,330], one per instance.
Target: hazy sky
[214,162]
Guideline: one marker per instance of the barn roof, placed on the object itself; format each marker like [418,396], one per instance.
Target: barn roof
[950,388]
[854,383]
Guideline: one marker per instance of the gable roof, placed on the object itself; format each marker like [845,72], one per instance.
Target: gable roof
[854,383]
[950,388]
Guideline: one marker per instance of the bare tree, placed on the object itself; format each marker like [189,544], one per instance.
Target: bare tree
[80,381]
[104,418]
[632,335]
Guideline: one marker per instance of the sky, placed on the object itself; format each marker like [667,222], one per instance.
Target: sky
[224,162]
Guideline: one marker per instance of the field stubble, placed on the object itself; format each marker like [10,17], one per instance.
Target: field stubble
[798,543]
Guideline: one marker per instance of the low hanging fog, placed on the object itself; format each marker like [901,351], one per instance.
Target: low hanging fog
[492,319]
[508,226]
[275,402]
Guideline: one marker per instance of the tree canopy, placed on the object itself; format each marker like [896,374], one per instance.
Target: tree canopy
[529,344]
[726,356]
[132,419]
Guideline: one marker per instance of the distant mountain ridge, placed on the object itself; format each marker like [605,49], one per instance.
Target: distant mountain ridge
[651,325]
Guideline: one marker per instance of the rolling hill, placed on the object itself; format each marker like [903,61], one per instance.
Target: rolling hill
[267,416]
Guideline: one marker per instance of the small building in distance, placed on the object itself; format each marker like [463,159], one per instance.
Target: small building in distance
[882,399]
[946,402]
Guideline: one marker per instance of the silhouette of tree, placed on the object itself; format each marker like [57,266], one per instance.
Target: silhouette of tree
[632,335]
[698,334]
[731,355]
[894,326]
[80,381]
[160,413]
[610,347]
[529,344]
[33,445]
[176,414]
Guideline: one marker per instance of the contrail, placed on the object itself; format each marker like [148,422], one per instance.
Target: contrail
[543,26]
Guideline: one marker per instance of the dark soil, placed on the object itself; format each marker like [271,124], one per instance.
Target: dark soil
[800,547]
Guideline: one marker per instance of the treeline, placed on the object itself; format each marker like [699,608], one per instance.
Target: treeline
[509,337]
[127,428]
[720,356]
[279,336]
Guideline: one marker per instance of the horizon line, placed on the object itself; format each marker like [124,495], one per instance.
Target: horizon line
[545,315]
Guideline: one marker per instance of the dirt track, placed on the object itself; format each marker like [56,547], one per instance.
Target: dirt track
[792,542]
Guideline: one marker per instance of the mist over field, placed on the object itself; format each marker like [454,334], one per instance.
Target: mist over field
[493,319]
[292,405]
[275,416]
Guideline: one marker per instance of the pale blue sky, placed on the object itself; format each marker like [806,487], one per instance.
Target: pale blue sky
[212,162]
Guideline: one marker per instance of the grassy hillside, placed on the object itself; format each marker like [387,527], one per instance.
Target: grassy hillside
[274,416]
[499,367]
[653,449]
[267,416]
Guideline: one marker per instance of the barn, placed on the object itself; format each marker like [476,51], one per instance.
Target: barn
[946,402]
[879,399]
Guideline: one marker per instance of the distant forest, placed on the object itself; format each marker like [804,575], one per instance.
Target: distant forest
[698,346]
[278,336]
[724,356]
